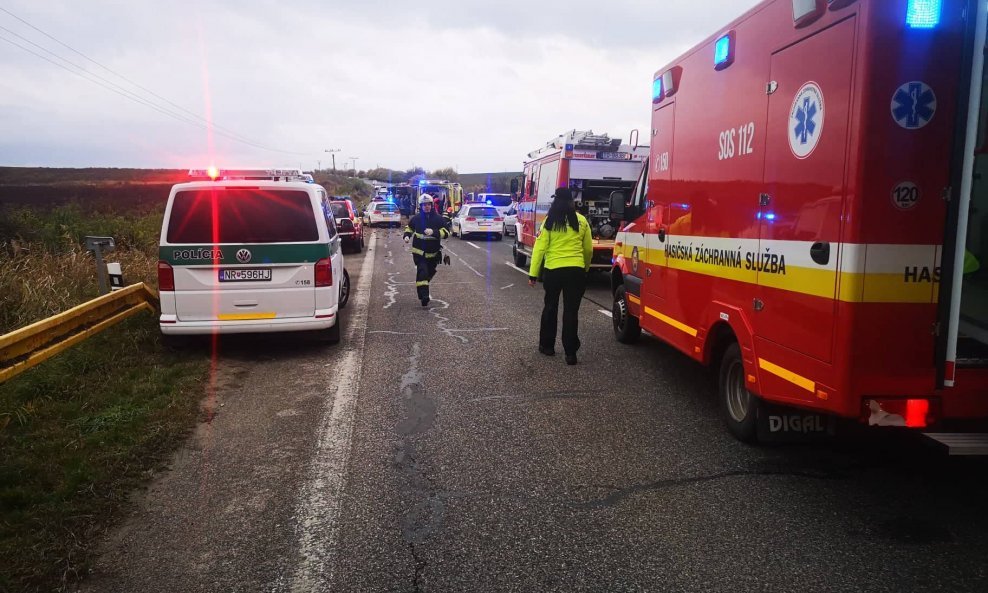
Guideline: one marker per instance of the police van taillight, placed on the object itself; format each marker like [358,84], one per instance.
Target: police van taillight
[324,273]
[166,276]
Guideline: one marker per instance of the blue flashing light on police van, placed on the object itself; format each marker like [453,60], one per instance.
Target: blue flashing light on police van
[722,51]
[657,89]
[923,14]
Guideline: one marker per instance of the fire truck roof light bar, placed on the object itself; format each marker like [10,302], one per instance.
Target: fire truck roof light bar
[923,14]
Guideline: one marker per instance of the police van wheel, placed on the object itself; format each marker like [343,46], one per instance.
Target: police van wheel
[345,289]
[331,335]
[740,406]
[626,327]
[497,236]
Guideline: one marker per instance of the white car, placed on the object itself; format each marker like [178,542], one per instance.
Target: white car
[263,255]
[510,221]
[385,213]
[472,219]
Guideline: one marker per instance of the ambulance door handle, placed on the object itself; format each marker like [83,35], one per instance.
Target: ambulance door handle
[820,252]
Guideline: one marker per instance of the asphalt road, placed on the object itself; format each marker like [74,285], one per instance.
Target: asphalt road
[434,449]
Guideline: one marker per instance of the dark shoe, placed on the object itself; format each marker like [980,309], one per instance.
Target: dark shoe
[425,302]
[570,359]
[547,351]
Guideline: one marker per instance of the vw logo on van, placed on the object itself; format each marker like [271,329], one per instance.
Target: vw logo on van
[243,256]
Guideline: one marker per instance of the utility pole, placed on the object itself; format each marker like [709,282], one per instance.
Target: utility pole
[354,159]
[331,151]
[318,165]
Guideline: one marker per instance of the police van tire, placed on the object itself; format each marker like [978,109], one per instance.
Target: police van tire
[331,335]
[739,406]
[344,289]
[498,236]
[626,327]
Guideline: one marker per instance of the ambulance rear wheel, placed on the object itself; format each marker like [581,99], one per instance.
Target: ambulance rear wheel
[739,406]
[626,327]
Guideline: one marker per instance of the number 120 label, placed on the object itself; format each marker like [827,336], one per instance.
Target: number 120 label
[736,142]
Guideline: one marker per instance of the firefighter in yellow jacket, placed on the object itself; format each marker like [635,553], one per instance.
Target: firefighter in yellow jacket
[425,230]
[564,250]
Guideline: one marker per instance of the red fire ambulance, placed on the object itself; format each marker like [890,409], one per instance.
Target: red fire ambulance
[593,166]
[815,185]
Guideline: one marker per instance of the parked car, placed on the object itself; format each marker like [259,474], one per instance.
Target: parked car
[510,221]
[348,223]
[383,213]
[478,219]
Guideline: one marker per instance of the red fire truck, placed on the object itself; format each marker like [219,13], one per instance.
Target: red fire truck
[813,215]
[593,166]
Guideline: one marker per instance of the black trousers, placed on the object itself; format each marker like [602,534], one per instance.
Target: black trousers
[572,283]
[425,269]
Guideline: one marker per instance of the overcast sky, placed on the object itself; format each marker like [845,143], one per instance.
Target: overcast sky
[434,83]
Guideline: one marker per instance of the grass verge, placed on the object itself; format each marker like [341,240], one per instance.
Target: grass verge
[78,434]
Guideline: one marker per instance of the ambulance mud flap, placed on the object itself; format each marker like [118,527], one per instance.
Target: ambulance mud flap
[781,424]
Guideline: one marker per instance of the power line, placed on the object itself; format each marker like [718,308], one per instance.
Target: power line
[111,86]
[115,73]
[86,74]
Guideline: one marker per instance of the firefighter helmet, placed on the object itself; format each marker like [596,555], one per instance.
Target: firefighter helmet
[425,199]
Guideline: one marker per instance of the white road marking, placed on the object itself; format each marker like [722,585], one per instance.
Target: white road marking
[475,246]
[320,502]
[608,313]
[506,287]
[393,333]
[511,265]
[469,266]
[450,251]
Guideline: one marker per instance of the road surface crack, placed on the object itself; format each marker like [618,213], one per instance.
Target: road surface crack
[420,566]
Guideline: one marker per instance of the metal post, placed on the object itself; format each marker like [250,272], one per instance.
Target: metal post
[96,245]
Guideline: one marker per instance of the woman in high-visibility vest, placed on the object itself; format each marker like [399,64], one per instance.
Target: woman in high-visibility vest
[564,249]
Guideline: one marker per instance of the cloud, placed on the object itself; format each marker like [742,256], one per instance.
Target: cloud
[437,83]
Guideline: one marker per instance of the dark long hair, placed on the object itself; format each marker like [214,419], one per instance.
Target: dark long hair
[562,211]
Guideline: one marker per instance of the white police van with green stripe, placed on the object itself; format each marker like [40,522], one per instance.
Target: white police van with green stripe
[250,252]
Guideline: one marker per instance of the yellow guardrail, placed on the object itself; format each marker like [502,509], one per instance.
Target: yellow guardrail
[29,346]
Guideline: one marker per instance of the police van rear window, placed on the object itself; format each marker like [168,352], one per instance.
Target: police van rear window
[245,215]
[385,207]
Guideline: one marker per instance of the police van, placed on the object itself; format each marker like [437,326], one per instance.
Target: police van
[250,251]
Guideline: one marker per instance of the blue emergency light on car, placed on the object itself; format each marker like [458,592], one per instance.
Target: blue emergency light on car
[657,90]
[923,14]
[724,51]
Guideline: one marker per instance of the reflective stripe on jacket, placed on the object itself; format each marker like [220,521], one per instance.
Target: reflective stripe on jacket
[423,244]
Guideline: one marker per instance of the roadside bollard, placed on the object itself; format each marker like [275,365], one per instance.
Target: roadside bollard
[116,276]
